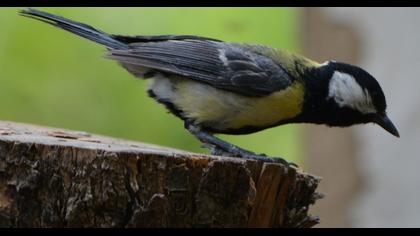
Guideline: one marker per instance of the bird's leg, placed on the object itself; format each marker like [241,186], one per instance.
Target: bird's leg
[220,147]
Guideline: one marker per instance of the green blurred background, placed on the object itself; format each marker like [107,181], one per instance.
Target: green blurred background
[50,77]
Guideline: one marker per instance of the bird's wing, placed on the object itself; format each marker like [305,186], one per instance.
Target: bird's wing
[222,65]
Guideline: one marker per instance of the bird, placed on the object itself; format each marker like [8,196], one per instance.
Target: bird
[219,87]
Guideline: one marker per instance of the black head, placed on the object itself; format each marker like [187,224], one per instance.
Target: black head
[340,94]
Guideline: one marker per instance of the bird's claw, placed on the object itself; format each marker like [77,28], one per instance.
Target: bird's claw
[221,148]
[284,162]
[248,155]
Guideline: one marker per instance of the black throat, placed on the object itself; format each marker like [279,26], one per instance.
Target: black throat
[315,106]
[318,108]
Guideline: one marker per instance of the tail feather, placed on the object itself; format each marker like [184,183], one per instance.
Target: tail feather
[77,28]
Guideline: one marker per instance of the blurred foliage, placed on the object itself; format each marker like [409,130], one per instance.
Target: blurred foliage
[53,78]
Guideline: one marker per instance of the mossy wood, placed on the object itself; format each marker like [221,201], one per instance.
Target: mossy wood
[59,178]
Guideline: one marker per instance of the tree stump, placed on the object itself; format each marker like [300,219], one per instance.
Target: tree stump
[58,178]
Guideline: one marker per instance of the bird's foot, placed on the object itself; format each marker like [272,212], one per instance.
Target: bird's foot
[222,148]
[241,153]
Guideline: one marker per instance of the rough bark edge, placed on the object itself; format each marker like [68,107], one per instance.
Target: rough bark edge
[60,178]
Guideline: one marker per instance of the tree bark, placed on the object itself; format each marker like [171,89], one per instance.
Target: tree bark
[59,178]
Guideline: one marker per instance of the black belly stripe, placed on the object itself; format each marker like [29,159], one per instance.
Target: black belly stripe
[169,105]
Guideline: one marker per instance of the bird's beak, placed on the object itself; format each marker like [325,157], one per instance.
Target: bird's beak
[386,123]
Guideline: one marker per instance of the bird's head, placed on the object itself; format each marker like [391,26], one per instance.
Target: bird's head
[349,95]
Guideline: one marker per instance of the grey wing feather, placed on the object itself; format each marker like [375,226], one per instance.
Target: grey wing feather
[219,64]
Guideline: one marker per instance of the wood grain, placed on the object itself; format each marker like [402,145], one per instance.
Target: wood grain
[59,178]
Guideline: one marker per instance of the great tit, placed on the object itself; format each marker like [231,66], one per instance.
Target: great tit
[219,87]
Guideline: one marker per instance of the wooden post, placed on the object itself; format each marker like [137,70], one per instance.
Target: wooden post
[59,178]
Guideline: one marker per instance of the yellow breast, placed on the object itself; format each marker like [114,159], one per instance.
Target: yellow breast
[266,111]
[227,110]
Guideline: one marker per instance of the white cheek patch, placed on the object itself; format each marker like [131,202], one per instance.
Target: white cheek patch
[346,92]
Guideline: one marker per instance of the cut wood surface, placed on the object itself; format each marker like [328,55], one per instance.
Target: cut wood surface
[59,178]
